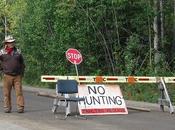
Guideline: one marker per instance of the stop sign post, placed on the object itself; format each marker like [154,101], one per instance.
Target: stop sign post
[74,56]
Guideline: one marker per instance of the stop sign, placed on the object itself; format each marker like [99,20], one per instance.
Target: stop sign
[74,56]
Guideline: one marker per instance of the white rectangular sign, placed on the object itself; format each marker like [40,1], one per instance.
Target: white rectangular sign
[101,99]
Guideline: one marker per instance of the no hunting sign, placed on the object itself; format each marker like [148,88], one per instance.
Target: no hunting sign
[101,99]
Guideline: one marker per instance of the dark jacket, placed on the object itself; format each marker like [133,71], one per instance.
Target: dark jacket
[12,64]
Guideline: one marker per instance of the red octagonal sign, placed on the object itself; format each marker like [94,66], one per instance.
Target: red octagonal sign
[74,56]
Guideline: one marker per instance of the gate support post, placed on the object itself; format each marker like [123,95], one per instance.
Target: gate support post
[164,99]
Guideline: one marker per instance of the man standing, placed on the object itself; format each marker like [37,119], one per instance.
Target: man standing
[12,64]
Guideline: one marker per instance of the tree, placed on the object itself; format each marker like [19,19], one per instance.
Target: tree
[115,37]
[156,35]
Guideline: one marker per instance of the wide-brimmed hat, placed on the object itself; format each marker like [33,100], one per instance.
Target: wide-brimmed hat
[9,39]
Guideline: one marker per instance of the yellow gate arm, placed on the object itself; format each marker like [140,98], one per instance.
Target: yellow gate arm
[108,79]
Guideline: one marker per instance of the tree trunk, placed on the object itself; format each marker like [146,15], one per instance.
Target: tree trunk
[150,35]
[173,44]
[161,23]
[174,28]
[156,35]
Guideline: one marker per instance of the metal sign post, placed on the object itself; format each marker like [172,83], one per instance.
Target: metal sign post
[76,71]
[75,57]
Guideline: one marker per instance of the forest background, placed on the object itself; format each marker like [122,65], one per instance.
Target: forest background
[115,37]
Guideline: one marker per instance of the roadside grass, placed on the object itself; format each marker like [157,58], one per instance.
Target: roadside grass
[145,92]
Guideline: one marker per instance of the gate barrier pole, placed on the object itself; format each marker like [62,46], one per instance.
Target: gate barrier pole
[164,99]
